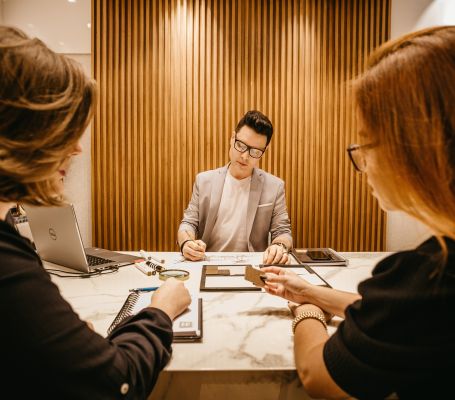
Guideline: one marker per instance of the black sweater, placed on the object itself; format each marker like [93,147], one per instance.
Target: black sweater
[399,338]
[48,352]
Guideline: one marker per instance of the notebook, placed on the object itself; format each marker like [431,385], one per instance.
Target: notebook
[57,239]
[187,327]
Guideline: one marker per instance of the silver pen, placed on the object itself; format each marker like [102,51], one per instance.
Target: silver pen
[148,257]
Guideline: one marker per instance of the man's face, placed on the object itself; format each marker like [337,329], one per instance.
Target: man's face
[242,164]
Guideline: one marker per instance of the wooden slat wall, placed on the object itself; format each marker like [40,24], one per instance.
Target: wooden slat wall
[175,76]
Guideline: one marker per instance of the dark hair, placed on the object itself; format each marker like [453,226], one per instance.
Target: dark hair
[46,102]
[258,122]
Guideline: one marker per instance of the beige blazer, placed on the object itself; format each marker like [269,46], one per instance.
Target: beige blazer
[266,212]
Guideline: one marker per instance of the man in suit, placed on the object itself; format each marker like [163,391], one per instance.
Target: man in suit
[239,207]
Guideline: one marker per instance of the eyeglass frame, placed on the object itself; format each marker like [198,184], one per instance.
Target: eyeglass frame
[248,148]
[353,147]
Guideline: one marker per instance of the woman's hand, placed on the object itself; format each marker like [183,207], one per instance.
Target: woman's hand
[172,297]
[297,309]
[285,283]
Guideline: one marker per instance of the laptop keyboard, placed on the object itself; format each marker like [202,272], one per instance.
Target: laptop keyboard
[94,261]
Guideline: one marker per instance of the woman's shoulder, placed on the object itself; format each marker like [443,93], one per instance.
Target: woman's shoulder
[430,252]
[15,251]
[421,267]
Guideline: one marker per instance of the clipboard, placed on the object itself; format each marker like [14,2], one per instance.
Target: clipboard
[190,336]
[228,278]
[187,327]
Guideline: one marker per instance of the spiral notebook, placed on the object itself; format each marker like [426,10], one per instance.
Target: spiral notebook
[187,327]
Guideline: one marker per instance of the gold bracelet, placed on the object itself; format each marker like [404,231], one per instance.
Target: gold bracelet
[308,314]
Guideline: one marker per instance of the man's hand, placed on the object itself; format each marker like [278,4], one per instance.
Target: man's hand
[194,250]
[275,254]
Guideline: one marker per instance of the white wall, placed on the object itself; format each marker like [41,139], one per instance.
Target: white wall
[62,25]
[405,14]
[403,232]
[78,186]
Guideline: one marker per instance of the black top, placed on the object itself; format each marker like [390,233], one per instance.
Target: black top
[48,352]
[399,338]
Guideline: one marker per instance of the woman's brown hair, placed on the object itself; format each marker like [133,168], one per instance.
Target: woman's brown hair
[406,100]
[45,105]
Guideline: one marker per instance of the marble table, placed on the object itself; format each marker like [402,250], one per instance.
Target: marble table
[247,346]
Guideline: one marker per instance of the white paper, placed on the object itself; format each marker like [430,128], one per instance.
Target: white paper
[218,281]
[229,281]
[311,278]
[241,258]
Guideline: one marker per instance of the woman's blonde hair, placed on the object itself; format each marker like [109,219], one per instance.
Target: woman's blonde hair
[406,100]
[45,105]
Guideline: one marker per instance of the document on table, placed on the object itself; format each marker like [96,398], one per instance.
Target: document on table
[228,259]
[232,277]
[310,277]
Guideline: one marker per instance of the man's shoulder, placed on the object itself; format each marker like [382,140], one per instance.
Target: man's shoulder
[268,177]
[210,174]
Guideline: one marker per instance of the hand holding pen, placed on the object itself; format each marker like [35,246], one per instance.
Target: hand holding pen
[194,250]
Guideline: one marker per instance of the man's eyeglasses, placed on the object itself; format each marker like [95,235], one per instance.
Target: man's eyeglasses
[242,147]
[358,157]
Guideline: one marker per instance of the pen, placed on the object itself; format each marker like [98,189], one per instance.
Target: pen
[143,269]
[195,242]
[148,257]
[145,289]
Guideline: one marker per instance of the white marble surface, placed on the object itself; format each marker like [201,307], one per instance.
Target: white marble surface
[247,347]
[241,331]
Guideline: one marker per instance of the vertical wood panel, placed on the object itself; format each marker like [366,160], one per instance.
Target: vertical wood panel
[175,76]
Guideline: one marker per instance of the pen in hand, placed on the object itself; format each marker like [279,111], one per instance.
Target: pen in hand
[194,250]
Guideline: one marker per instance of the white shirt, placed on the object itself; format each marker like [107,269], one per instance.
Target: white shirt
[229,231]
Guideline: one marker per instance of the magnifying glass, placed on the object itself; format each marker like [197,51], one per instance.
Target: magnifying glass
[179,274]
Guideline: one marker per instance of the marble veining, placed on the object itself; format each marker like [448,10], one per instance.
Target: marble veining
[242,331]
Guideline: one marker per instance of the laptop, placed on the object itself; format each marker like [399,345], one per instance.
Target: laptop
[58,240]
